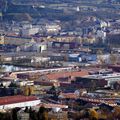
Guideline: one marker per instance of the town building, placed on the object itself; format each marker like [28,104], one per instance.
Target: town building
[15,40]
[18,101]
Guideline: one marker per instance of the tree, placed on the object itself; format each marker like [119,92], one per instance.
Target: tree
[116,113]
[54,91]
[93,87]
[53,88]
[12,84]
[102,115]
[14,113]
[5,116]
[31,90]
[1,116]
[27,90]
[84,113]
[26,110]
[113,58]
[42,113]
[1,85]
[99,57]
[45,114]
[93,115]
[33,114]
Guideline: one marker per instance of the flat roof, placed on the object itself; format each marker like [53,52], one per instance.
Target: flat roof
[49,105]
[16,99]
[102,76]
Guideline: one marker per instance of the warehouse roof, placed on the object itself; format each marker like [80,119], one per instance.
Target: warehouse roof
[16,99]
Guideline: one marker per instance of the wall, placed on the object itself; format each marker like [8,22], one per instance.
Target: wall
[13,40]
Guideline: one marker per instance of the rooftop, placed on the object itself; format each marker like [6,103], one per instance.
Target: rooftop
[54,76]
[103,76]
[68,95]
[16,99]
[53,105]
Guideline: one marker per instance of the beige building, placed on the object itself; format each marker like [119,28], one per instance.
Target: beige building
[65,38]
[2,39]
[89,40]
[59,38]
[14,40]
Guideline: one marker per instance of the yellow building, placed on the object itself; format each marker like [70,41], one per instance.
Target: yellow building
[64,38]
[2,39]
[89,40]
[14,40]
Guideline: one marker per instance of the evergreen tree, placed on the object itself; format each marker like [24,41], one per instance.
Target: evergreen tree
[14,113]
[42,113]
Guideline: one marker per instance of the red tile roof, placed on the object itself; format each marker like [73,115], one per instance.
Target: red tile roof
[16,99]
[54,76]
[68,95]
[53,105]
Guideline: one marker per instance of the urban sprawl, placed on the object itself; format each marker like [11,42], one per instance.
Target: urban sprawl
[59,59]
